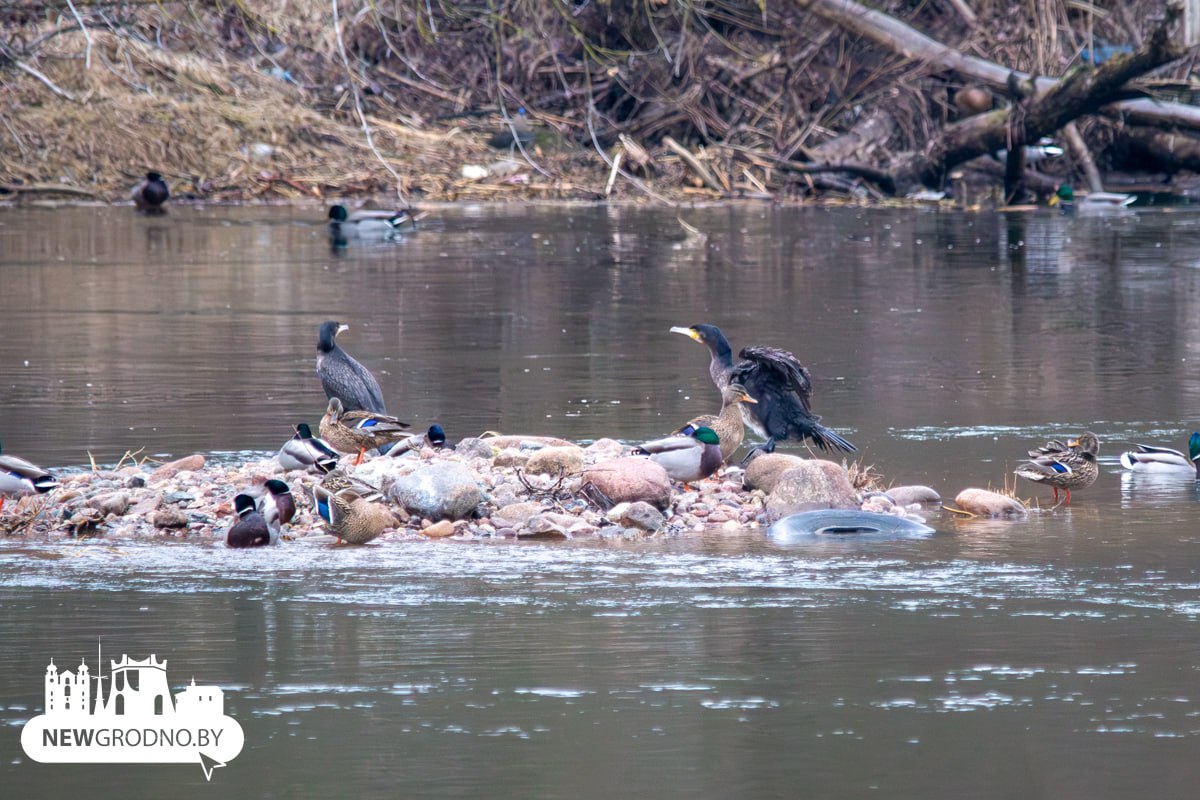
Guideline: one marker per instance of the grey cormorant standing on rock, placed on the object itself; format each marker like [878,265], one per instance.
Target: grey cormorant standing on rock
[777,380]
[343,377]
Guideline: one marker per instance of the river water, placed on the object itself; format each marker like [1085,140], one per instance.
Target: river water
[1057,657]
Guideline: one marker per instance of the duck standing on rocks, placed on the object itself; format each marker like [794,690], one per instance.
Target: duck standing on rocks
[1072,468]
[728,425]
[434,437]
[1148,458]
[150,194]
[364,224]
[352,518]
[359,431]
[20,477]
[338,481]
[343,377]
[305,451]
[686,458]
[277,503]
[777,380]
[252,528]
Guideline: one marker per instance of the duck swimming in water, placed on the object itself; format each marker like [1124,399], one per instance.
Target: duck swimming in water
[1072,468]
[364,225]
[150,194]
[1148,458]
[343,377]
[777,380]
[20,477]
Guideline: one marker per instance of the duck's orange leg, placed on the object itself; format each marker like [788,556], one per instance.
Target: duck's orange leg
[358,460]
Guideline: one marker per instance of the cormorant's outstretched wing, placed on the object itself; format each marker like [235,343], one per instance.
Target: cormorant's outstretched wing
[779,367]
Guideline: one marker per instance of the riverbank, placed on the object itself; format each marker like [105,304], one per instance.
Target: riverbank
[259,101]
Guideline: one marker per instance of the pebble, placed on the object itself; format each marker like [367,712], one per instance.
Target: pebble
[194,497]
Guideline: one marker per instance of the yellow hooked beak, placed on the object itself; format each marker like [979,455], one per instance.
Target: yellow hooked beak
[688,332]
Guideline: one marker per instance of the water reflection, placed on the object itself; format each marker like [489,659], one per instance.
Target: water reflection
[717,664]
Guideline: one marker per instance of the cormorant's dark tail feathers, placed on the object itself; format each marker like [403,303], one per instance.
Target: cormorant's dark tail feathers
[829,440]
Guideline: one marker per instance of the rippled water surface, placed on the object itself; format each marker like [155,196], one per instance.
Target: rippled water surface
[1052,658]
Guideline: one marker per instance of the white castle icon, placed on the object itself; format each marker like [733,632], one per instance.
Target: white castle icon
[138,689]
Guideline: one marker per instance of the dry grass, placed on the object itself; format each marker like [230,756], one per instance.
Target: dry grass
[257,99]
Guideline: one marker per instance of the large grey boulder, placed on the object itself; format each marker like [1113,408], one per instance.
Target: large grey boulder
[438,491]
[812,484]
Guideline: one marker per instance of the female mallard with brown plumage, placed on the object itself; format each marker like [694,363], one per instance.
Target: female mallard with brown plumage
[351,517]
[728,425]
[358,431]
[1074,467]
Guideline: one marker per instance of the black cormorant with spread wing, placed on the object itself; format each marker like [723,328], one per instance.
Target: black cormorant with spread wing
[777,380]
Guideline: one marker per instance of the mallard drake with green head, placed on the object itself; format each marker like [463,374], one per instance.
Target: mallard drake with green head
[434,437]
[342,376]
[365,224]
[277,502]
[728,425]
[252,528]
[777,380]
[1148,458]
[305,451]
[1073,468]
[150,194]
[1066,197]
[351,517]
[20,477]
[359,431]
[686,458]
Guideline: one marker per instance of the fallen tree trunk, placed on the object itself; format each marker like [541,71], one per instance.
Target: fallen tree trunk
[1171,152]
[1041,111]
[894,35]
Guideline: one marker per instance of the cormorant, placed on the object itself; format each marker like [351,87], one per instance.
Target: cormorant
[777,380]
[343,377]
